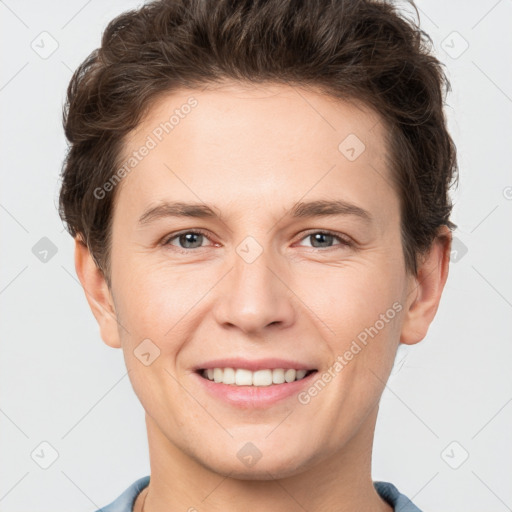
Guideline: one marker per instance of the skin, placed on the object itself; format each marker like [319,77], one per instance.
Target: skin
[253,153]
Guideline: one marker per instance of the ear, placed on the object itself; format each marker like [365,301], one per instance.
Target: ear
[97,293]
[425,289]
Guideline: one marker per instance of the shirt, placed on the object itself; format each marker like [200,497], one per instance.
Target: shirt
[387,491]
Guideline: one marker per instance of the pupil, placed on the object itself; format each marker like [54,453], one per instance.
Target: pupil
[189,238]
[320,236]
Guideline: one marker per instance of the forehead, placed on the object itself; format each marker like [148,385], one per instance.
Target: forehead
[263,145]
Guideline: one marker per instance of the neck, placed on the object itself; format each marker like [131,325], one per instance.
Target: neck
[341,482]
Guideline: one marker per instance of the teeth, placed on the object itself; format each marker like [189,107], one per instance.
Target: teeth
[229,376]
[217,374]
[278,376]
[243,377]
[289,375]
[262,378]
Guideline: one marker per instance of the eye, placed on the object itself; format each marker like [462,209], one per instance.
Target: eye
[190,240]
[187,239]
[324,239]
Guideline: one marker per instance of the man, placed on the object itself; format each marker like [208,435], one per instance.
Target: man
[301,149]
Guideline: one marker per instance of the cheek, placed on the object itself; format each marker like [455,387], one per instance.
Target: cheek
[351,298]
[153,310]
[363,308]
[370,341]
[158,303]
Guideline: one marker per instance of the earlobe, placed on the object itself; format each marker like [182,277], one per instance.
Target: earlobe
[426,289]
[97,294]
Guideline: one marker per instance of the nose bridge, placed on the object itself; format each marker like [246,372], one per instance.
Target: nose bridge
[254,295]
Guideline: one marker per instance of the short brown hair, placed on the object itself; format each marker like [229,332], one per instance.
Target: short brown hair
[349,49]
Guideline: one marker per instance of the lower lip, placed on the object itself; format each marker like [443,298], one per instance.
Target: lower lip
[255,396]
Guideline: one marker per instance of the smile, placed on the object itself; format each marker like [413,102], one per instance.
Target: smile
[259,378]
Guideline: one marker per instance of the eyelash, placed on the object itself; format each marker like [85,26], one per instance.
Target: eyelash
[344,241]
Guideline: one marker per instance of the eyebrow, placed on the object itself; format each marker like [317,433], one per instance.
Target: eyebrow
[320,208]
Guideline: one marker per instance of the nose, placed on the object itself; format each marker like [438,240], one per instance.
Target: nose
[255,296]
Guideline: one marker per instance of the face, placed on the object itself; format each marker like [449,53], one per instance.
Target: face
[292,261]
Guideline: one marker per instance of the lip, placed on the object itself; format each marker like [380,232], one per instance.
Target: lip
[255,365]
[253,397]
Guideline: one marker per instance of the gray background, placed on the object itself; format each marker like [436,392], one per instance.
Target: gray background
[450,397]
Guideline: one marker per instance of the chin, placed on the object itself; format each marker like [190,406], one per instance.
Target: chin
[265,468]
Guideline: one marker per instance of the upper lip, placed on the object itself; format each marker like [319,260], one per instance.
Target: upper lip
[254,364]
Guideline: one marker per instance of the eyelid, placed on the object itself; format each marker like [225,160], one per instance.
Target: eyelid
[167,239]
[342,238]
